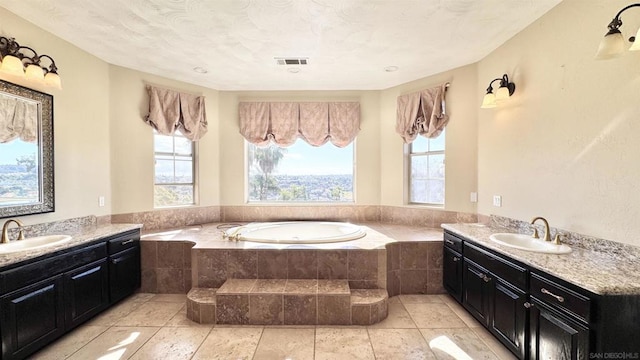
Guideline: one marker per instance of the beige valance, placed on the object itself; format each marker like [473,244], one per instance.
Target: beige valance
[18,119]
[314,122]
[422,113]
[170,110]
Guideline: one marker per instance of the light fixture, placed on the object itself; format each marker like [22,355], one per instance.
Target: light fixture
[391,68]
[613,43]
[14,62]
[505,90]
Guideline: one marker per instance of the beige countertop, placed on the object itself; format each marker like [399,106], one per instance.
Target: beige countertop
[81,236]
[598,271]
[209,236]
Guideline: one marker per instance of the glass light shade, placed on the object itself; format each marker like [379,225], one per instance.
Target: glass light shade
[53,80]
[611,46]
[12,65]
[502,94]
[636,44]
[35,73]
[489,101]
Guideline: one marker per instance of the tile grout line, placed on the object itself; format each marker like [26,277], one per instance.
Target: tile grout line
[253,356]
[203,340]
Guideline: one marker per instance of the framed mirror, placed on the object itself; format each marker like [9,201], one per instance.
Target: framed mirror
[26,151]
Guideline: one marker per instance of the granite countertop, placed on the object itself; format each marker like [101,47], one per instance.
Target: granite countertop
[598,271]
[209,236]
[79,236]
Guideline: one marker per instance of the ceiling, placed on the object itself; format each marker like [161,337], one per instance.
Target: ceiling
[348,43]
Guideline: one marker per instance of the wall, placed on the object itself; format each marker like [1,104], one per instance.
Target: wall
[461,140]
[81,122]
[566,145]
[132,165]
[232,162]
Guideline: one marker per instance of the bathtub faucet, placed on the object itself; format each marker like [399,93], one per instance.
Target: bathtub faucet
[234,235]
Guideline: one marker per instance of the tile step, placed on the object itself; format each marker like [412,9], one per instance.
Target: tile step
[287,302]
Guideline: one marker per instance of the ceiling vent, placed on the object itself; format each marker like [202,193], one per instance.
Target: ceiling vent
[292,61]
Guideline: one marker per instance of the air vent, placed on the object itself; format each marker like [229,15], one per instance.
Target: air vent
[292,61]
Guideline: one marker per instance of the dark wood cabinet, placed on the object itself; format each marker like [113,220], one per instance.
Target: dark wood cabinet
[452,273]
[555,335]
[31,318]
[124,273]
[85,292]
[42,298]
[537,315]
[476,291]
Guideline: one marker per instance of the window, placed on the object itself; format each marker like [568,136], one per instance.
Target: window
[174,170]
[300,173]
[426,170]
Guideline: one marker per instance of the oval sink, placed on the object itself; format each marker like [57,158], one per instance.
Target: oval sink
[528,243]
[33,243]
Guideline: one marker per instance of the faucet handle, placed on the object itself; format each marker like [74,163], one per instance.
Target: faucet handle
[557,238]
[535,234]
[20,234]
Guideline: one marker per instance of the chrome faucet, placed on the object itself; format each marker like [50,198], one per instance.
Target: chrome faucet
[547,235]
[5,230]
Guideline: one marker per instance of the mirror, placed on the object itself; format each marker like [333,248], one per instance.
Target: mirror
[26,151]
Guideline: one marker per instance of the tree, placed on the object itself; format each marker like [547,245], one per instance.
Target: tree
[265,160]
[336,192]
[28,161]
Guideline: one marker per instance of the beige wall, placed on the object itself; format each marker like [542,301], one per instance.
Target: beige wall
[132,166]
[566,145]
[461,140]
[367,153]
[81,122]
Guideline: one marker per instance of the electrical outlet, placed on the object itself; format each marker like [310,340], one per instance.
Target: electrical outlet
[473,197]
[497,200]
[101,201]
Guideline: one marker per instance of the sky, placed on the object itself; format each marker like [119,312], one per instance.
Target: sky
[304,159]
[12,150]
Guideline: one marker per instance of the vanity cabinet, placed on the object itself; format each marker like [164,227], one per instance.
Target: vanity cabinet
[452,266]
[537,315]
[124,266]
[43,298]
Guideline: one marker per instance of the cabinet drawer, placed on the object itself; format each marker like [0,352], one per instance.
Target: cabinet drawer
[452,242]
[124,242]
[506,270]
[560,297]
[28,274]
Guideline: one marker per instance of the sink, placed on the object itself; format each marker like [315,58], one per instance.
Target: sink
[33,243]
[528,243]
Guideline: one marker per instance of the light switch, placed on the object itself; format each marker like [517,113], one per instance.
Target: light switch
[473,197]
[497,200]
[101,201]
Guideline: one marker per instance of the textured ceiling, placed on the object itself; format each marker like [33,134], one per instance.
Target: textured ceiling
[348,42]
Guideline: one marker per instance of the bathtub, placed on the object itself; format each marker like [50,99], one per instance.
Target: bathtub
[296,232]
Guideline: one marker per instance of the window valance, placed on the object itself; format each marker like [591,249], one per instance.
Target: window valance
[314,122]
[170,110]
[18,119]
[422,113]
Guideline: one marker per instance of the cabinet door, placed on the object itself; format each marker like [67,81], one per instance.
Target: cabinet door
[452,273]
[31,318]
[476,291]
[555,335]
[508,316]
[86,292]
[124,273]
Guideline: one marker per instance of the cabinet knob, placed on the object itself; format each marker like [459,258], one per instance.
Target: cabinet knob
[455,259]
[528,305]
[486,278]
[449,242]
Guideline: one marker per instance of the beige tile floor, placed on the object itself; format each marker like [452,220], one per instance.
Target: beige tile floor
[148,326]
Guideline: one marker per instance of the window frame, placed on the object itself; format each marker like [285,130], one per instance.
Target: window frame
[247,180]
[174,155]
[408,161]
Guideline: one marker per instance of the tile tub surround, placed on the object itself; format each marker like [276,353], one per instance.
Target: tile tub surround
[364,262]
[186,216]
[598,270]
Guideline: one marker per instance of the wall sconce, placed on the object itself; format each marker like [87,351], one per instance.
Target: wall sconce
[14,62]
[613,43]
[505,90]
